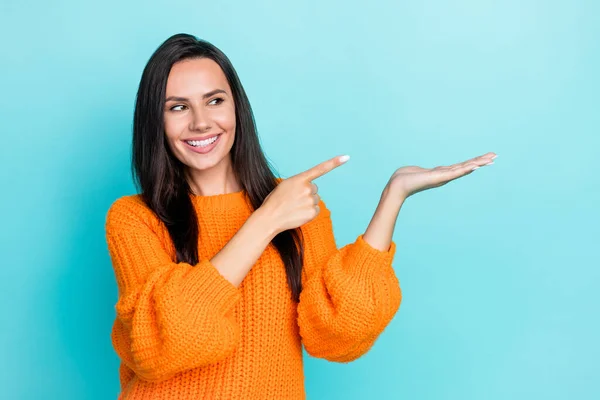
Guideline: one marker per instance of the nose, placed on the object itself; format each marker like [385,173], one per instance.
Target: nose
[200,121]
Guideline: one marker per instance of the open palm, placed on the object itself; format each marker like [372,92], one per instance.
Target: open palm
[412,179]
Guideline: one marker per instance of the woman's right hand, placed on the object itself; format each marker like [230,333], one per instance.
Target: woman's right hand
[295,200]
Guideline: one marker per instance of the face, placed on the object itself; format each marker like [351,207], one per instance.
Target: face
[199,107]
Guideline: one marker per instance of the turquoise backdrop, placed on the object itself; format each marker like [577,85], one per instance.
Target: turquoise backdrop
[498,269]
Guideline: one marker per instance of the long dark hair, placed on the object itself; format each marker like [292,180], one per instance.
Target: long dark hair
[160,176]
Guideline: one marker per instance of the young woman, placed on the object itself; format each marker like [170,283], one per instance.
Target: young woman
[224,270]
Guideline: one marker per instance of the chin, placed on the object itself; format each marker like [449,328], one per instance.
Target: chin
[205,162]
[202,165]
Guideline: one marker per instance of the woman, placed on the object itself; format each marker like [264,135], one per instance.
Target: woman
[224,270]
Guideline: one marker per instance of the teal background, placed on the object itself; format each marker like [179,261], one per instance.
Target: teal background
[498,269]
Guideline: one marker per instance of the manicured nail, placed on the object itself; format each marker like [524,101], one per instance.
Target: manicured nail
[495,156]
[475,168]
[344,158]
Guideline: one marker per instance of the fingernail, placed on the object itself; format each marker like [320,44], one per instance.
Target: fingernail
[475,168]
[495,156]
[344,158]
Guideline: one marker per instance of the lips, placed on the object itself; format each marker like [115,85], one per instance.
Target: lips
[202,150]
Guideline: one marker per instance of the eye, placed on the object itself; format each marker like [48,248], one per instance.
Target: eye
[178,105]
[217,98]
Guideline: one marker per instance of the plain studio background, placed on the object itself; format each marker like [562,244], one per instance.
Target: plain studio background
[498,272]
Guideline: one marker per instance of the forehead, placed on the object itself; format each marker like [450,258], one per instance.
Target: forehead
[195,77]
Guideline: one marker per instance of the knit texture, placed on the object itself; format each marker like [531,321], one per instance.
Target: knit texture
[185,332]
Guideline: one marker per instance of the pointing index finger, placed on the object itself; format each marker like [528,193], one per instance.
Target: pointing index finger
[324,167]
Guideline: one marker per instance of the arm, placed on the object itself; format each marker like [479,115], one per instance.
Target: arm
[350,294]
[237,257]
[174,316]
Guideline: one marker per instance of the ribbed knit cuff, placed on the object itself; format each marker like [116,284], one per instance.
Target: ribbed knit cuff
[367,260]
[205,287]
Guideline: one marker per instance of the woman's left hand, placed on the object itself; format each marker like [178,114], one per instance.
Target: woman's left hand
[409,180]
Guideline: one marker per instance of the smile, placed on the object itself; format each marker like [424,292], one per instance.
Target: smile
[203,146]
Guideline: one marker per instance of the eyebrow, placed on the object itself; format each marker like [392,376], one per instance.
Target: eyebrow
[204,96]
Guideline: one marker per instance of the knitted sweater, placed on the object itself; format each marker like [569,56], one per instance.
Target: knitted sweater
[185,332]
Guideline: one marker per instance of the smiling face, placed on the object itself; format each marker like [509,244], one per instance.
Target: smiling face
[199,107]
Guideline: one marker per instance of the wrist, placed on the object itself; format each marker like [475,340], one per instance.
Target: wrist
[265,222]
[391,194]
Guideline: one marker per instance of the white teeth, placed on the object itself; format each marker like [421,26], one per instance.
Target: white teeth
[202,143]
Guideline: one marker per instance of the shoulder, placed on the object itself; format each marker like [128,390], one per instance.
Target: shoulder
[126,205]
[130,210]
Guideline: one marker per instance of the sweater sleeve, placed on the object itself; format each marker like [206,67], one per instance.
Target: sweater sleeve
[349,294]
[171,317]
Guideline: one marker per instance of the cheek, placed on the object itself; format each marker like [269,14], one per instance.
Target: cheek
[172,128]
[226,119]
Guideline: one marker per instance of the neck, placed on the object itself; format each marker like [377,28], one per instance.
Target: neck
[219,179]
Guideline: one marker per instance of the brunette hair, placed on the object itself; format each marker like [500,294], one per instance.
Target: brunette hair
[160,176]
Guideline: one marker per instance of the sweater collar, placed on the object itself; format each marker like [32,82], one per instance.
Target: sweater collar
[224,200]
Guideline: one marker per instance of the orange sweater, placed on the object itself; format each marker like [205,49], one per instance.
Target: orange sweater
[185,332]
